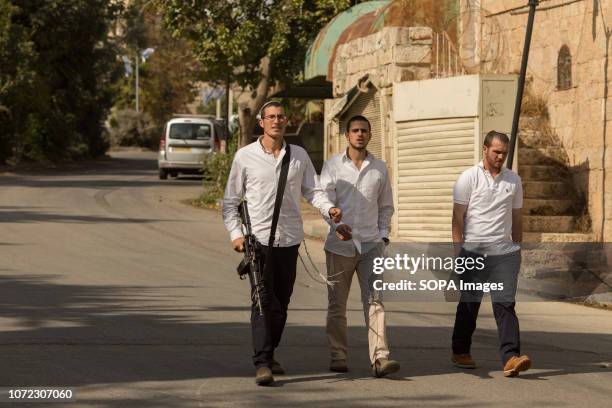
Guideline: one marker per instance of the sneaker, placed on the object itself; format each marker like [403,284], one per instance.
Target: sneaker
[463,361]
[383,367]
[276,367]
[263,376]
[515,365]
[338,366]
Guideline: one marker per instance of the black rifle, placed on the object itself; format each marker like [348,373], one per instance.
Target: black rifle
[251,264]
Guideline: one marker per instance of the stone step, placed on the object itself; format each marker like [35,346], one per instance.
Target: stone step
[542,206]
[531,172]
[545,189]
[555,223]
[560,287]
[542,155]
[558,237]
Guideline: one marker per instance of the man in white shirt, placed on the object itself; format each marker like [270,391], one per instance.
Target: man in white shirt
[487,224]
[357,182]
[254,177]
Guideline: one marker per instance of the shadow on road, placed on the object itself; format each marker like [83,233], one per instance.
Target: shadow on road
[128,334]
[92,182]
[105,174]
[39,216]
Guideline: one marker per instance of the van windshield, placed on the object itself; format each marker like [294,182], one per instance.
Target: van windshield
[190,131]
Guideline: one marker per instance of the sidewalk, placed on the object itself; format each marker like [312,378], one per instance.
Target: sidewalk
[314,225]
[316,228]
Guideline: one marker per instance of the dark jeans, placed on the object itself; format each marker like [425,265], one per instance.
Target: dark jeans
[498,268]
[278,282]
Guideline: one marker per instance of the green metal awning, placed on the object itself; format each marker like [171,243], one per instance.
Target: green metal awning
[322,49]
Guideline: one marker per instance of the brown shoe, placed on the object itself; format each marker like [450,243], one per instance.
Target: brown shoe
[463,361]
[276,367]
[263,376]
[338,366]
[383,367]
[515,365]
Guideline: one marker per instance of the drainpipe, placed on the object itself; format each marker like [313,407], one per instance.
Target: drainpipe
[521,83]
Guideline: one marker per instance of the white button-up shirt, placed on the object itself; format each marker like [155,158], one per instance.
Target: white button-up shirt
[366,200]
[254,176]
[490,201]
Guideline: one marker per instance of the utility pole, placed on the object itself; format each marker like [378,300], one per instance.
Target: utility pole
[137,79]
[521,83]
[228,112]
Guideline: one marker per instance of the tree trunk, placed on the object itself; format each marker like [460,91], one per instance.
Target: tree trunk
[251,101]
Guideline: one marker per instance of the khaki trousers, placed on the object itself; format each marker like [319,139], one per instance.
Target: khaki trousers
[340,270]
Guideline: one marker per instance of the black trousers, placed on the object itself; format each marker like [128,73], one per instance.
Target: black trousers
[278,280]
[498,269]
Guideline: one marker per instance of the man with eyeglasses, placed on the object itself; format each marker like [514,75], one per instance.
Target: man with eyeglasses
[254,176]
[359,183]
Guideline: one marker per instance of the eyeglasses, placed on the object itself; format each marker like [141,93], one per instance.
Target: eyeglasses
[280,118]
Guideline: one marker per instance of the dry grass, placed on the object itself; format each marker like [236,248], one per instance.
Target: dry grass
[533,105]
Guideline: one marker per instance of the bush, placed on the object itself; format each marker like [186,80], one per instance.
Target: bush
[129,128]
[216,172]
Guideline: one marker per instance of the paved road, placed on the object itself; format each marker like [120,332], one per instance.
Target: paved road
[111,286]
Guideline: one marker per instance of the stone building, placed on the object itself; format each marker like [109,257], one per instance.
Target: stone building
[365,53]
[568,72]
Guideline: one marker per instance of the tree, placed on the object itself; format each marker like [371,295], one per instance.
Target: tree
[16,78]
[60,62]
[167,77]
[260,43]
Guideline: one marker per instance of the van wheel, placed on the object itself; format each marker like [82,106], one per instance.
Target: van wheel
[163,174]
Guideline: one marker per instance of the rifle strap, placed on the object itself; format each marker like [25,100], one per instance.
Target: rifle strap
[280,191]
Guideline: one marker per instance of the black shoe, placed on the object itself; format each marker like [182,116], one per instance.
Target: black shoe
[263,376]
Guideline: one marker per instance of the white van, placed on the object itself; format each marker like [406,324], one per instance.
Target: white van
[184,143]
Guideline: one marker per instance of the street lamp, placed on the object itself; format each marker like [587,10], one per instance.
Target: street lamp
[145,54]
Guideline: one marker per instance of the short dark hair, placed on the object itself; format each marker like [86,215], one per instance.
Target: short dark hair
[268,104]
[492,135]
[358,118]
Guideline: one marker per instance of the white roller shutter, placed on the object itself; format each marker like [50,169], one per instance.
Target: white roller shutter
[431,155]
[367,104]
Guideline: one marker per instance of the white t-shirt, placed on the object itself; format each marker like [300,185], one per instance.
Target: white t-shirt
[488,219]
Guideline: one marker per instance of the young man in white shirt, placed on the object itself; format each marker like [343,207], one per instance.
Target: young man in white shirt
[254,177]
[487,224]
[357,182]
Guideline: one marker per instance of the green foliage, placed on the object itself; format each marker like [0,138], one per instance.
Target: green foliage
[253,43]
[216,172]
[128,128]
[167,78]
[16,79]
[57,64]
[239,34]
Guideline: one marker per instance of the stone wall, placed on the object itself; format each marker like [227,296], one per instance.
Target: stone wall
[580,115]
[393,54]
